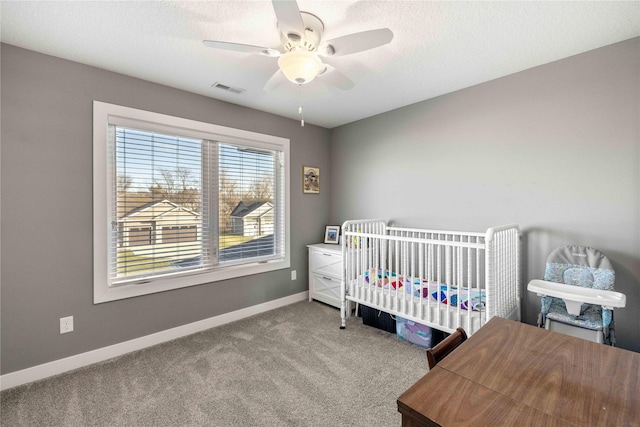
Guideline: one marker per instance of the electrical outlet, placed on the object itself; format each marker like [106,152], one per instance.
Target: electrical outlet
[293,275]
[66,324]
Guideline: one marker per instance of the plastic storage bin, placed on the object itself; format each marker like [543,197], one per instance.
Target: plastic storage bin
[414,332]
[378,319]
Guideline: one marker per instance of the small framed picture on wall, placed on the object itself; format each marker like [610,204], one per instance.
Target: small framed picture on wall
[310,180]
[332,234]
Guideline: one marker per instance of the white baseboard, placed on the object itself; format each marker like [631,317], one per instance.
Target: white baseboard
[60,366]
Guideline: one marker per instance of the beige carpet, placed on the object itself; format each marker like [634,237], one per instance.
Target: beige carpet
[289,367]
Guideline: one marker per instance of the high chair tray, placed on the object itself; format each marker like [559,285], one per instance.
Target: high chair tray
[577,294]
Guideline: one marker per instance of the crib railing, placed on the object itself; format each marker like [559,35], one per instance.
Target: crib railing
[503,271]
[352,241]
[377,259]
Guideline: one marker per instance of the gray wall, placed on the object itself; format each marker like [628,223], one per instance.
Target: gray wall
[555,149]
[46,246]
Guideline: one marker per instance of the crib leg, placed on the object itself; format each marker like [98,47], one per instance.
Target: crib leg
[343,314]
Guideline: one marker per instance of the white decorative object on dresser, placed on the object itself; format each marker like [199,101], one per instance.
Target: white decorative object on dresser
[325,273]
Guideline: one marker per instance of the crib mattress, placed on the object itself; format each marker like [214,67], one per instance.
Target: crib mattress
[467,299]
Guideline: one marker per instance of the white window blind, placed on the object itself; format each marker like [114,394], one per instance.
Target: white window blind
[248,212]
[159,203]
[185,201]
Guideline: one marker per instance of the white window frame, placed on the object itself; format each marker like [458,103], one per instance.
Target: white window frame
[105,114]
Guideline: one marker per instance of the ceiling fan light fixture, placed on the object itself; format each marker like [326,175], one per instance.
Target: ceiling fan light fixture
[299,66]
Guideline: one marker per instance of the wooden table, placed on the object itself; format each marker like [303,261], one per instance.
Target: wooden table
[510,373]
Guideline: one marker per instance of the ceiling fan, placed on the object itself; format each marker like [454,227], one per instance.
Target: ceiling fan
[299,57]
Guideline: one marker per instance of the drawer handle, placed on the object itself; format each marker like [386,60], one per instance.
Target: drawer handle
[327,254]
[327,278]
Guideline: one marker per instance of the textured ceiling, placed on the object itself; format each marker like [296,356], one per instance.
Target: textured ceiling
[438,47]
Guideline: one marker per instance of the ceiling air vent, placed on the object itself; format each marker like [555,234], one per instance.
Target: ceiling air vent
[228,88]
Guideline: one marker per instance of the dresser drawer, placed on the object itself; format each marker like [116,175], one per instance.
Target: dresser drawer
[325,289]
[326,264]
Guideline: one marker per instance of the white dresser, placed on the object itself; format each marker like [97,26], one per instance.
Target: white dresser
[325,273]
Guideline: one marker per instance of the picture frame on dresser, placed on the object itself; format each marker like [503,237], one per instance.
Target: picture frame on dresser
[332,234]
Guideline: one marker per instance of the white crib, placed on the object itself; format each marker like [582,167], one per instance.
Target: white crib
[441,279]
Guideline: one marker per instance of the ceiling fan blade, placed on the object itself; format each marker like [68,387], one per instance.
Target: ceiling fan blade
[289,18]
[275,81]
[356,42]
[239,47]
[336,78]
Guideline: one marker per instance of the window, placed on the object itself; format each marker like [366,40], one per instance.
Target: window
[180,203]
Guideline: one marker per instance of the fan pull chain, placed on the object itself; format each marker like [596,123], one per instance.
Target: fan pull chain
[300,108]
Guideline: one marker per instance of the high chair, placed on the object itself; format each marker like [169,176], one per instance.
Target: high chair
[577,294]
